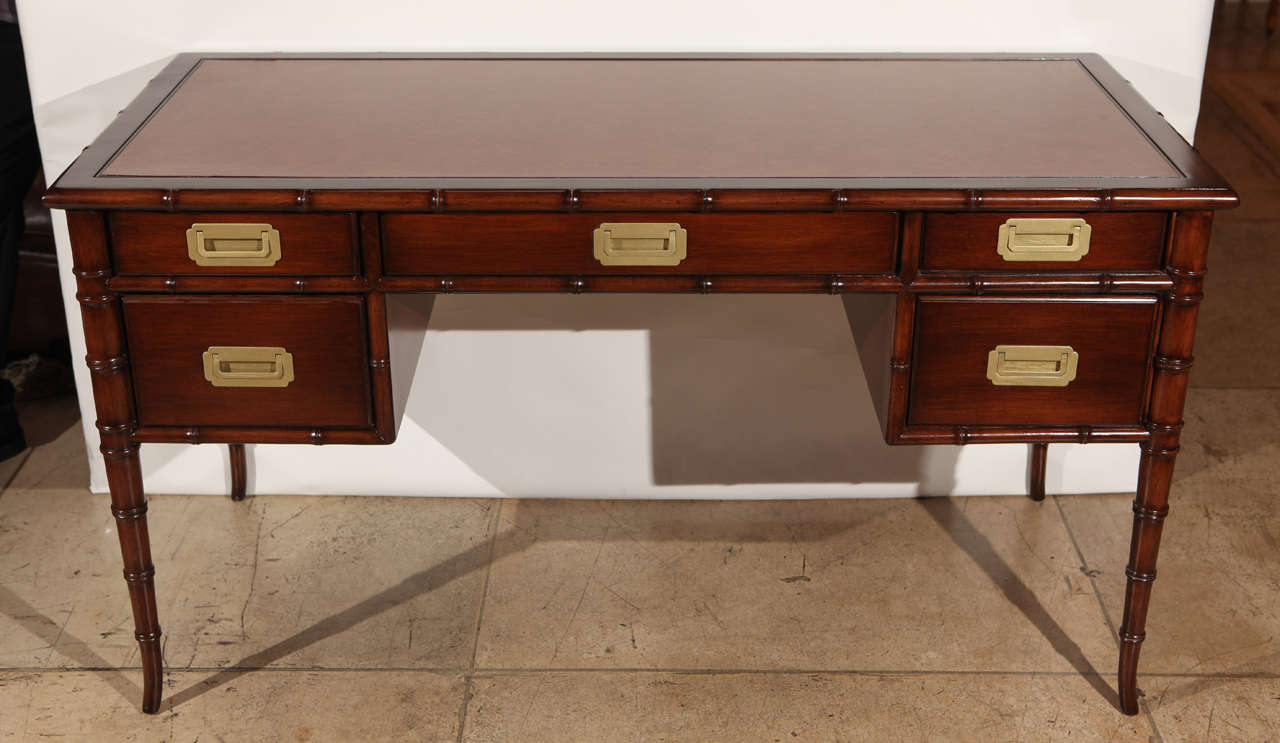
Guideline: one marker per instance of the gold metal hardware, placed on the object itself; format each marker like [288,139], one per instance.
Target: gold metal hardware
[248,366]
[640,244]
[1043,239]
[227,244]
[1032,366]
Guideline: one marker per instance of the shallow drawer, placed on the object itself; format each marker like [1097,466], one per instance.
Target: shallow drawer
[565,244]
[1043,242]
[222,243]
[249,361]
[1053,361]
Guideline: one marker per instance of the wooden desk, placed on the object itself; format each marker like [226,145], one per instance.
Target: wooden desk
[1020,241]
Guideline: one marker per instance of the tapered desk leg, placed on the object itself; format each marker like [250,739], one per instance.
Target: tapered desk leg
[238,465]
[1168,393]
[1035,471]
[113,396]
[129,505]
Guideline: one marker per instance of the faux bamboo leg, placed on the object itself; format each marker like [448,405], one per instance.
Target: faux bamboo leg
[238,465]
[1035,471]
[1168,393]
[129,505]
[108,363]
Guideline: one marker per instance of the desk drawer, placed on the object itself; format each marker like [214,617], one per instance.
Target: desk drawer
[222,243]
[1057,361]
[309,366]
[564,244]
[1116,241]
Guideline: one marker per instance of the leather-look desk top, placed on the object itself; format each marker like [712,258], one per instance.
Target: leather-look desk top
[639,118]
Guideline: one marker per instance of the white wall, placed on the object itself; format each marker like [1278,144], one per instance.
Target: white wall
[605,396]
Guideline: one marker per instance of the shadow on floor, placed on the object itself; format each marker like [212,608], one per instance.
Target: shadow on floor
[72,648]
[944,511]
[979,549]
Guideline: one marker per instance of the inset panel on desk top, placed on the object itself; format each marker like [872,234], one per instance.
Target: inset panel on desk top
[639,118]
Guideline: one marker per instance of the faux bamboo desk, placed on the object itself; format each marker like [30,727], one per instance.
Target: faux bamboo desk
[1020,241]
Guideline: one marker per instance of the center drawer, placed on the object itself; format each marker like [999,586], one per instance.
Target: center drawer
[1045,361]
[249,361]
[644,243]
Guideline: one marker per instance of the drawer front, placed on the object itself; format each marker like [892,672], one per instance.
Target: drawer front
[565,244]
[222,243]
[1057,361]
[1116,241]
[222,361]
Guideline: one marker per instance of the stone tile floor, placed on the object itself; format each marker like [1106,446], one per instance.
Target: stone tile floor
[979,619]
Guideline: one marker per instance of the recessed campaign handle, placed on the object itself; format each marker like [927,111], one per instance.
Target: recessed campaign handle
[640,244]
[1032,366]
[1026,239]
[233,244]
[248,366]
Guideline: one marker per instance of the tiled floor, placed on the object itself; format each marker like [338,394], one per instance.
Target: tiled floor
[978,619]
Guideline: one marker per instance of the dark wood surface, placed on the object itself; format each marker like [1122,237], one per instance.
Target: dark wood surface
[1118,241]
[954,335]
[1190,183]
[108,361]
[816,174]
[145,243]
[1036,471]
[326,335]
[639,118]
[239,465]
[1188,255]
[513,244]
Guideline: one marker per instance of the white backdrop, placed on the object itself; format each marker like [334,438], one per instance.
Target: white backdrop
[604,396]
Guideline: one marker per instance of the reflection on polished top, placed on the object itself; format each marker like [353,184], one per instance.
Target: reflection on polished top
[640,118]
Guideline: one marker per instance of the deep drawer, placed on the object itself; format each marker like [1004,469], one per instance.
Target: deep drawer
[995,360]
[1117,241]
[222,243]
[191,367]
[563,244]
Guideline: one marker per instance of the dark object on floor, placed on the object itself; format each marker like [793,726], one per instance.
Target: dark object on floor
[19,161]
[12,440]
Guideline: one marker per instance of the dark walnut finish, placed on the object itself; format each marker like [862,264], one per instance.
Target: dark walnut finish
[953,336]
[881,178]
[167,337]
[1132,241]
[155,244]
[773,244]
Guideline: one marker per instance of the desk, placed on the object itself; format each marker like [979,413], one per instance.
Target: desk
[1020,241]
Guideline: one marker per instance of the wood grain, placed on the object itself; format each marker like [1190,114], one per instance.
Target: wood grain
[326,335]
[954,335]
[1118,241]
[312,244]
[771,244]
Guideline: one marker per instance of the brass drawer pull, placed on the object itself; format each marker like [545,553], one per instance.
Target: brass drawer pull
[1043,239]
[640,244]
[248,366]
[218,244]
[1032,366]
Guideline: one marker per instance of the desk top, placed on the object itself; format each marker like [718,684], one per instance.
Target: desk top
[534,122]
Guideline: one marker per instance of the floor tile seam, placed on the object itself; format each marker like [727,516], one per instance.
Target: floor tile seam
[495,524]
[518,670]
[1102,606]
